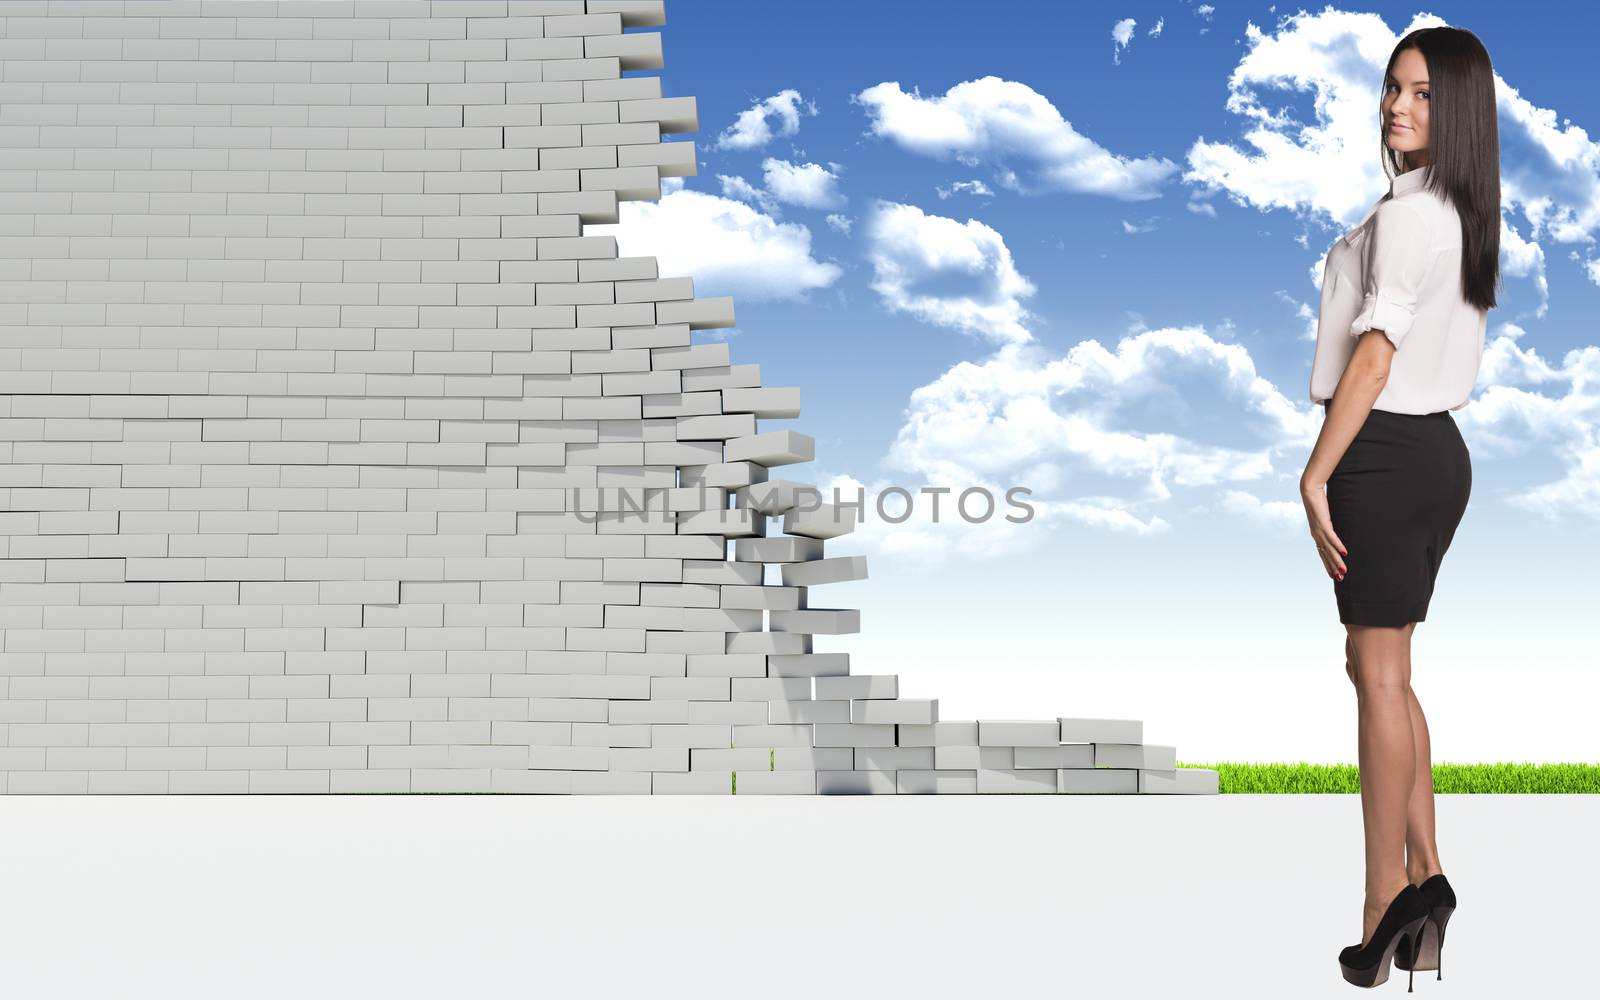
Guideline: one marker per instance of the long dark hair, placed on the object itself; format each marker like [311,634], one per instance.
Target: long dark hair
[1463,148]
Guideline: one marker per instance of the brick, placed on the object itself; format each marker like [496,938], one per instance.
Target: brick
[914,711]
[1017,733]
[856,783]
[1101,730]
[1017,781]
[1099,781]
[936,782]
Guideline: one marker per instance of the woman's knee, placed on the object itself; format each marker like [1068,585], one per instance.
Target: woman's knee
[1378,659]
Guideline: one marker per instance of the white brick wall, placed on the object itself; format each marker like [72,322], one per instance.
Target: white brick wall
[311,386]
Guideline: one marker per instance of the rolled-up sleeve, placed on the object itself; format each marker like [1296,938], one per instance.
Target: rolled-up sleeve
[1397,260]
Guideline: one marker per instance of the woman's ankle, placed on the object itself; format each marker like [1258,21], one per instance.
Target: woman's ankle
[1422,873]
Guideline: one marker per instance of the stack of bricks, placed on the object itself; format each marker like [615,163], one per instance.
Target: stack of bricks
[335,457]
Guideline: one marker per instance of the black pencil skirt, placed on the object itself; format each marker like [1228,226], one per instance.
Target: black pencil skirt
[1395,499]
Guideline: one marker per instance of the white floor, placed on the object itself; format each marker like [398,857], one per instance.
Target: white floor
[992,897]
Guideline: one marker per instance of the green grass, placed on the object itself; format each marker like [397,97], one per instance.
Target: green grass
[1472,779]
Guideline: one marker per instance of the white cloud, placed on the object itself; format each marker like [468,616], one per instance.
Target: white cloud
[973,187]
[729,247]
[1505,363]
[1279,513]
[809,185]
[1101,415]
[739,189]
[840,223]
[1303,312]
[1505,420]
[1081,434]
[1121,36]
[1155,32]
[993,121]
[1591,268]
[1104,512]
[1550,169]
[947,273]
[753,128]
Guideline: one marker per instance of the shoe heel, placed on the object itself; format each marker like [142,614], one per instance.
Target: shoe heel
[1414,936]
[1440,917]
[1411,936]
[1424,953]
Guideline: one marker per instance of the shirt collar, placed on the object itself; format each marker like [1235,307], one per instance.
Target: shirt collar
[1411,180]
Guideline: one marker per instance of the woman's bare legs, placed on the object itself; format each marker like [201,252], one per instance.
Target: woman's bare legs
[1422,848]
[1422,851]
[1388,757]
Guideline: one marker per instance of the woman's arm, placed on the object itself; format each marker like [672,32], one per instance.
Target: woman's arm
[1358,388]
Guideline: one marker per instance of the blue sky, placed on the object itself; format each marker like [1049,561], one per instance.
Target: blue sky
[1076,247]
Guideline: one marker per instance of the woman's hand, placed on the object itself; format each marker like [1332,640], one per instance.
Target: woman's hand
[1315,496]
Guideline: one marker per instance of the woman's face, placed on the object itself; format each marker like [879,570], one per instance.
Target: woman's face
[1405,108]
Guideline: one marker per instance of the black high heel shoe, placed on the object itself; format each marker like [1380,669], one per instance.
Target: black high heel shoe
[1369,966]
[1441,899]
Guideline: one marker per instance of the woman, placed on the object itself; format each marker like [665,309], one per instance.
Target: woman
[1405,299]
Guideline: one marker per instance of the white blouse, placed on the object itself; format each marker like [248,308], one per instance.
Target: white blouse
[1399,271]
